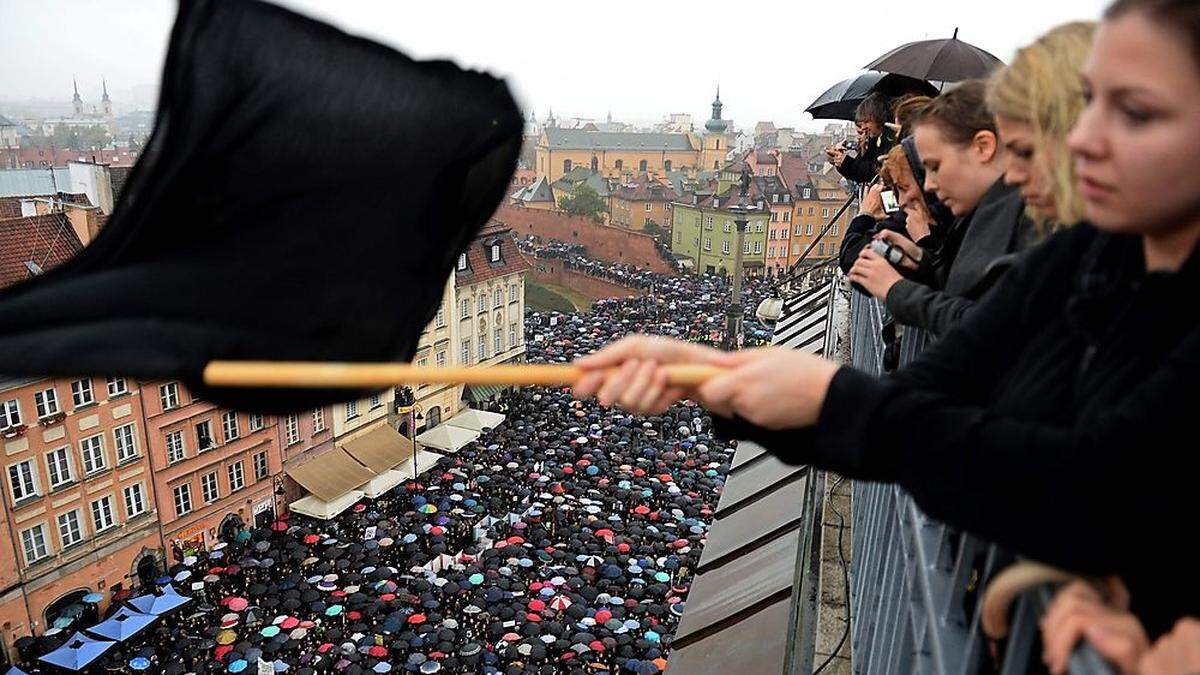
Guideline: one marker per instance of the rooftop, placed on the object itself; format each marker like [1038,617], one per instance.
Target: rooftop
[577,139]
[30,246]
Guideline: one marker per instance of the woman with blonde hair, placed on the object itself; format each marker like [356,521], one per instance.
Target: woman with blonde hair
[1037,100]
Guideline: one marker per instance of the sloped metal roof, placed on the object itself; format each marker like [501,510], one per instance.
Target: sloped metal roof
[34,182]
[577,139]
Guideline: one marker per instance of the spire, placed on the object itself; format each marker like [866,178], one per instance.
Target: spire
[715,124]
[610,115]
[105,101]
[77,100]
[104,85]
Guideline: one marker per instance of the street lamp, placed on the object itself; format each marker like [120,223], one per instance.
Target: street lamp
[733,316]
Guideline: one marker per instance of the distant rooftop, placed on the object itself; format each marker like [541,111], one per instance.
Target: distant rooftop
[34,182]
[577,139]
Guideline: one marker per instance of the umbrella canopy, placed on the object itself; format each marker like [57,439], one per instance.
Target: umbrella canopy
[940,60]
[77,652]
[840,101]
[123,625]
[199,205]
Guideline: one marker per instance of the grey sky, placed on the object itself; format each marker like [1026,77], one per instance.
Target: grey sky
[642,60]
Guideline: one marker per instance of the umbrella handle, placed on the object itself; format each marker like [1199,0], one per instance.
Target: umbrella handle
[314,374]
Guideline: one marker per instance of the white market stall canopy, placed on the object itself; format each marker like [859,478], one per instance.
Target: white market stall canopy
[324,510]
[424,462]
[385,481]
[379,449]
[447,438]
[476,420]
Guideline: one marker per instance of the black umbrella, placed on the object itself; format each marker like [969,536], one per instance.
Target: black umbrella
[840,101]
[939,60]
[326,152]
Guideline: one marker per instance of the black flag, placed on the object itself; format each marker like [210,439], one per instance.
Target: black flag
[303,196]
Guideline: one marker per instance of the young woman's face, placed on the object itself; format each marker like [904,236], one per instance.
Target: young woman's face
[959,175]
[908,193]
[1136,141]
[1028,165]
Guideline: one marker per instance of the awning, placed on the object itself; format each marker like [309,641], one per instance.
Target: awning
[123,625]
[77,652]
[379,449]
[481,392]
[383,482]
[324,510]
[424,461]
[447,438]
[476,420]
[331,475]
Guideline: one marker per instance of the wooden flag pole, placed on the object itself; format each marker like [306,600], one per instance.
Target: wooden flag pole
[313,374]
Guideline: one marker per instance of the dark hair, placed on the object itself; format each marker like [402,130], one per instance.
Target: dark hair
[1182,16]
[960,113]
[874,108]
[907,109]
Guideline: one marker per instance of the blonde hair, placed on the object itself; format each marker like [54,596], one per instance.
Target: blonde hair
[1042,88]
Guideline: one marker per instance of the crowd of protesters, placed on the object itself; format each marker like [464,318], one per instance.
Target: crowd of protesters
[561,541]
[1047,241]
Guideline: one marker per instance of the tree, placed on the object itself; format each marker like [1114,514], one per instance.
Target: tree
[652,227]
[583,201]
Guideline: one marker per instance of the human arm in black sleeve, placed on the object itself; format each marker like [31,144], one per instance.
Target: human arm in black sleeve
[914,304]
[858,169]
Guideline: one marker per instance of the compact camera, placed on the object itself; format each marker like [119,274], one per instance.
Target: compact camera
[887,251]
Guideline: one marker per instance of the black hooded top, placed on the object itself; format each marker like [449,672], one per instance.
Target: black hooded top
[303,197]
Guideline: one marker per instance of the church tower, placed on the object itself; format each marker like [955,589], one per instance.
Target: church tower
[77,101]
[105,101]
[716,138]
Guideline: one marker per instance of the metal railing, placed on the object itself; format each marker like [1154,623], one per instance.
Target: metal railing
[915,582]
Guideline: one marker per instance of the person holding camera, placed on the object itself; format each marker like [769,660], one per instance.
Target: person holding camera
[858,160]
[964,163]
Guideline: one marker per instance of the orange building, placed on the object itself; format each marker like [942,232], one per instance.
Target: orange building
[79,505]
[817,200]
[645,200]
[212,467]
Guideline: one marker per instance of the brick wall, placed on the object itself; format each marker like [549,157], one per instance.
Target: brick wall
[603,242]
[551,271]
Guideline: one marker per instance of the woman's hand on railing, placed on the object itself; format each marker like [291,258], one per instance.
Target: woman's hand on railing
[1175,652]
[1081,611]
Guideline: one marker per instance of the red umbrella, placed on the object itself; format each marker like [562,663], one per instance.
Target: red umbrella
[238,604]
[279,526]
[606,535]
[289,623]
[220,652]
[560,603]
[416,618]
[642,509]
[378,651]
[537,605]
[311,539]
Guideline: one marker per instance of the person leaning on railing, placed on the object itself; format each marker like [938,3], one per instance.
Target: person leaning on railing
[964,160]
[1055,419]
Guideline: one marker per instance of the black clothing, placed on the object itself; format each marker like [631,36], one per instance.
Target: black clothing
[862,169]
[1055,419]
[974,253]
[861,231]
[304,196]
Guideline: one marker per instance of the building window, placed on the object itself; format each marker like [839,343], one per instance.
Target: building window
[318,420]
[566,166]
[93,454]
[58,465]
[619,164]
[261,467]
[135,500]
[462,262]
[257,422]
[125,440]
[169,395]
[649,206]
[237,476]
[440,320]
[745,247]
[494,253]
[728,227]
[466,309]
[783,234]
[175,447]
[46,402]
[291,426]
[725,247]
[512,335]
[834,230]
[787,216]
[33,541]
[102,514]
[117,386]
[69,531]
[642,165]
[208,488]
[808,229]
[204,436]
[10,414]
[183,499]
[22,476]
[512,293]
[807,193]
[825,212]
[758,247]
[708,222]
[820,249]
[482,348]
[351,410]
[707,244]
[811,210]
[466,352]
[498,340]
[81,392]
[666,165]
[481,303]
[497,298]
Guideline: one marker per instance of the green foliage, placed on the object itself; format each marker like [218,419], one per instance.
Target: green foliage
[584,201]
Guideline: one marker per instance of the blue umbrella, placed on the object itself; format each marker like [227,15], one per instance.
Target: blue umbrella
[123,625]
[15,671]
[139,663]
[162,580]
[77,652]
[93,598]
[237,666]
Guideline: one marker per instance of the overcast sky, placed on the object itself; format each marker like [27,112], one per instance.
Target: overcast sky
[641,60]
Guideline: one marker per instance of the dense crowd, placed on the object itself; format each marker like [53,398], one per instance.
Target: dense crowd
[562,541]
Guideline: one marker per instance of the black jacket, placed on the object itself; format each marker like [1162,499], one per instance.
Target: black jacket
[974,252]
[1055,419]
[862,169]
